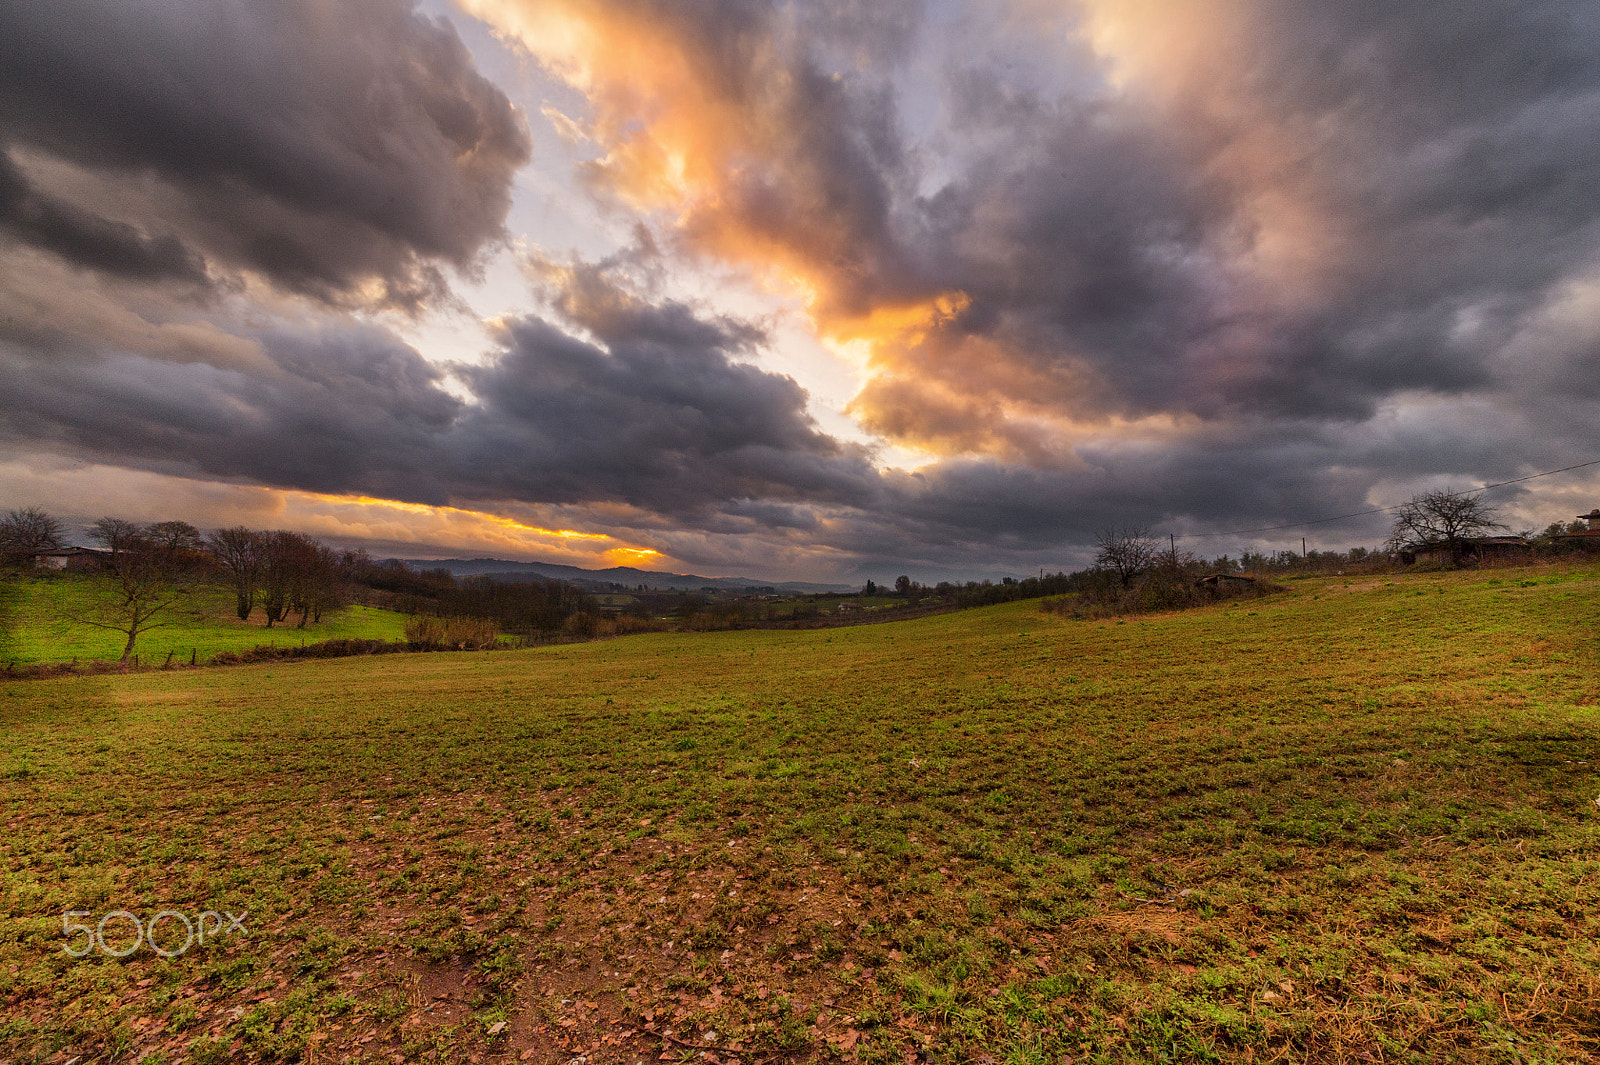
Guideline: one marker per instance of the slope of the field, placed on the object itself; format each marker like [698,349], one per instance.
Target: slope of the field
[1355,822]
[44,629]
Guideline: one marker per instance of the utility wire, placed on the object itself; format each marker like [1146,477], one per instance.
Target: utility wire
[1381,510]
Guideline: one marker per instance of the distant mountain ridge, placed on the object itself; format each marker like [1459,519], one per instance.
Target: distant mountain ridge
[505,569]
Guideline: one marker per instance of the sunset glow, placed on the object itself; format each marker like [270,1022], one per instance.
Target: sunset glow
[812,290]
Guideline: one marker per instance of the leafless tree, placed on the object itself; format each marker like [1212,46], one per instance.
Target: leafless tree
[137,587]
[1449,519]
[319,584]
[114,534]
[1125,550]
[238,551]
[280,565]
[298,575]
[26,533]
[175,537]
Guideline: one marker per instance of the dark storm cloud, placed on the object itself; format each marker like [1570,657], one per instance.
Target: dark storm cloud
[1329,251]
[86,239]
[340,409]
[1120,252]
[1083,248]
[1331,235]
[656,415]
[1460,156]
[329,146]
[1456,160]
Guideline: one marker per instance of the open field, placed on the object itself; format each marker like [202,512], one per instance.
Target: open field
[1354,822]
[201,627]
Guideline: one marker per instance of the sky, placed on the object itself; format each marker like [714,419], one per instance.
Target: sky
[815,290]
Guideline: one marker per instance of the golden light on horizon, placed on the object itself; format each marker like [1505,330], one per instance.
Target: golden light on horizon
[458,528]
[428,508]
[632,556]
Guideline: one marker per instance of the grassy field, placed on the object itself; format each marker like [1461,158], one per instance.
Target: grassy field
[200,628]
[1354,822]
[788,607]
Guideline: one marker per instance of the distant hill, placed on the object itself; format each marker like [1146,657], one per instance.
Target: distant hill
[504,569]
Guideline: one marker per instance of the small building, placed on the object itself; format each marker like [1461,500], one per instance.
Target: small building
[1476,548]
[1223,580]
[73,558]
[849,608]
[1588,539]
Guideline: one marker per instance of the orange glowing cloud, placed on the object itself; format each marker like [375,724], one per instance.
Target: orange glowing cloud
[735,139]
[1193,60]
[370,518]
[665,131]
[145,496]
[715,127]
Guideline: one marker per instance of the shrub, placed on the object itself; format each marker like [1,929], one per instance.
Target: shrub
[622,624]
[1160,589]
[451,634]
[581,626]
[324,649]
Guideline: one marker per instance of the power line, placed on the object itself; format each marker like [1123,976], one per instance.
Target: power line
[1381,510]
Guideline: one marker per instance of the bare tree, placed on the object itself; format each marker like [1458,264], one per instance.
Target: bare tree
[319,583]
[1126,550]
[238,551]
[175,537]
[1448,519]
[137,587]
[26,533]
[114,534]
[297,575]
[280,565]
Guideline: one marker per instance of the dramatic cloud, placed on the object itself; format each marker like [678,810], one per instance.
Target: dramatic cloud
[655,413]
[343,150]
[1135,228]
[78,236]
[1212,265]
[337,409]
[713,111]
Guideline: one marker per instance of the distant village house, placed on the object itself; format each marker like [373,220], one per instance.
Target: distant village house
[68,558]
[1589,538]
[1477,548]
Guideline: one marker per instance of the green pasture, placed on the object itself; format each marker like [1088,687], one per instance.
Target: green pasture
[786,607]
[1355,822]
[205,623]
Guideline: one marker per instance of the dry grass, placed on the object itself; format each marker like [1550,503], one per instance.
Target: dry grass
[452,634]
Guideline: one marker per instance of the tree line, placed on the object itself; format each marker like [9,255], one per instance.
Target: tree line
[1452,524]
[141,572]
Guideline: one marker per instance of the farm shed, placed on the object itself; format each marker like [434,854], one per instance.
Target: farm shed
[1479,548]
[1588,539]
[74,558]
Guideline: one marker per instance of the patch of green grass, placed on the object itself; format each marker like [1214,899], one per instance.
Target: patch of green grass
[1351,821]
[199,627]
